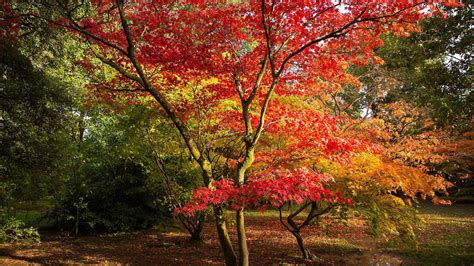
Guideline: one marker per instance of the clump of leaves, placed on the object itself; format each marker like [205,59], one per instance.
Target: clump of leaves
[13,230]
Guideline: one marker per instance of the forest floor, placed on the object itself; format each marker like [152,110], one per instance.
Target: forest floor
[446,239]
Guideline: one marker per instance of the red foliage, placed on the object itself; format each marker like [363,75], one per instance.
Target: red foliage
[201,39]
[10,23]
[260,52]
[272,187]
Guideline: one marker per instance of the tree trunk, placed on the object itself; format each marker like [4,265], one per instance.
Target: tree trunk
[196,235]
[240,219]
[76,229]
[294,228]
[304,251]
[224,239]
[242,238]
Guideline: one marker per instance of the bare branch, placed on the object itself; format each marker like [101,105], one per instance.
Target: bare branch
[268,41]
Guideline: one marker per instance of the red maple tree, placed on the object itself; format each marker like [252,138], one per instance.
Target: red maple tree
[263,55]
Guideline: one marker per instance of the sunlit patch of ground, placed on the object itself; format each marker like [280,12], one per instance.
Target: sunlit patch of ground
[447,238]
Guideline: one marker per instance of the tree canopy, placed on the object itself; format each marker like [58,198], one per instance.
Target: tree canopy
[330,105]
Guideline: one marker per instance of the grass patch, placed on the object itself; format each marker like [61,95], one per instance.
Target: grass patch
[334,246]
[447,238]
[32,213]
[266,213]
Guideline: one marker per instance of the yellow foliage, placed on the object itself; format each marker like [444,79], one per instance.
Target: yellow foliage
[209,81]
[369,176]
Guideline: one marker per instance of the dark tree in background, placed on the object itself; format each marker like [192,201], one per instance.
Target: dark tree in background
[34,114]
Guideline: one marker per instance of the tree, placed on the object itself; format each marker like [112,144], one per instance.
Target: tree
[383,191]
[420,98]
[255,50]
[434,68]
[34,110]
[458,164]
[109,184]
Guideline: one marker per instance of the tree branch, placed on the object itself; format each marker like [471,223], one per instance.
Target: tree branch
[333,34]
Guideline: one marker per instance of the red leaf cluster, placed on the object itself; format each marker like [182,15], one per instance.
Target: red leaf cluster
[272,187]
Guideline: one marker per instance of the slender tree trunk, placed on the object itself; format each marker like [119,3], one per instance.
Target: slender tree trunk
[242,238]
[304,251]
[314,214]
[224,239]
[240,218]
[76,229]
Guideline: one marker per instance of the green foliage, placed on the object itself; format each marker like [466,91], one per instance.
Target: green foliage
[389,220]
[431,70]
[54,145]
[434,68]
[110,198]
[13,230]
[113,181]
[33,115]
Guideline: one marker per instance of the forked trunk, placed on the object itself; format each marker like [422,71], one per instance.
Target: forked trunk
[295,228]
[304,251]
[196,235]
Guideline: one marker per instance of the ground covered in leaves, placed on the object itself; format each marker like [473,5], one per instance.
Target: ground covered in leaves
[447,238]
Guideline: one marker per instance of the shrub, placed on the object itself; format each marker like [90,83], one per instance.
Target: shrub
[13,230]
[115,198]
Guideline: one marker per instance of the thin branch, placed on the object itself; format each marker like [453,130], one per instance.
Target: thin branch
[281,218]
[313,214]
[302,208]
[333,34]
[263,111]
[260,76]
[319,13]
[340,31]
[268,41]
[117,67]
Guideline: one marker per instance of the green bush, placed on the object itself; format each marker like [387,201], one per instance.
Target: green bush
[114,198]
[13,230]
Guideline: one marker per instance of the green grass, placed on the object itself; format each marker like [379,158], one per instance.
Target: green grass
[266,213]
[273,212]
[446,239]
[33,214]
[336,245]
